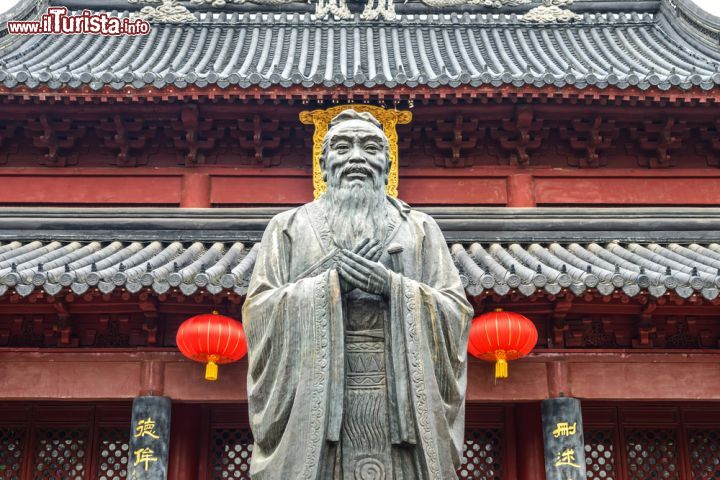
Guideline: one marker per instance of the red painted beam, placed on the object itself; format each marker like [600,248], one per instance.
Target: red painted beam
[73,374]
[216,186]
[195,190]
[36,186]
[635,189]
[520,190]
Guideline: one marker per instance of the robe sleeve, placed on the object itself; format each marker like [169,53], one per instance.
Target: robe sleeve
[291,329]
[436,317]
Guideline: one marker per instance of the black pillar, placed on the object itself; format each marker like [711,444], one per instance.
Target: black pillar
[563,438]
[149,438]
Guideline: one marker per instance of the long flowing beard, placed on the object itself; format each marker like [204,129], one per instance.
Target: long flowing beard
[356,212]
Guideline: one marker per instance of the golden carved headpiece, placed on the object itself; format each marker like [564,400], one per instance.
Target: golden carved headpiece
[387,118]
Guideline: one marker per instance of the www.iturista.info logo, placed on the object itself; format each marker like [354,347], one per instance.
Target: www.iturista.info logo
[58,21]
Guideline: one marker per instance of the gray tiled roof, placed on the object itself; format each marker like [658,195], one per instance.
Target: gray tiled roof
[603,49]
[133,266]
[630,267]
[219,267]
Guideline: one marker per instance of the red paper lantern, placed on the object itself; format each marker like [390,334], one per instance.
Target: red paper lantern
[501,336]
[212,339]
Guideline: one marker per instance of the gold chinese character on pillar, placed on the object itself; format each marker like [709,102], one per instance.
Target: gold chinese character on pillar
[566,458]
[146,427]
[565,429]
[389,118]
[146,456]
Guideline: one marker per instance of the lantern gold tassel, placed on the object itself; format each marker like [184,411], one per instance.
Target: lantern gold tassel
[501,365]
[501,368]
[211,371]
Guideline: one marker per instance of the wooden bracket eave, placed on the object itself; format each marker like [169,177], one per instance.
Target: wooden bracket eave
[646,327]
[320,94]
[561,308]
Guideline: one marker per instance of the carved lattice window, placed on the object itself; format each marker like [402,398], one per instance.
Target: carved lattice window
[11,452]
[704,450]
[112,453]
[600,454]
[482,454]
[231,449]
[651,453]
[64,441]
[60,454]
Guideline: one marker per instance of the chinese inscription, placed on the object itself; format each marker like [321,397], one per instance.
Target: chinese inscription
[565,429]
[150,434]
[564,443]
[566,458]
[144,456]
[146,427]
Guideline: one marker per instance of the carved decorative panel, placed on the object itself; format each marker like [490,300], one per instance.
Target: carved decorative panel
[482,454]
[231,450]
[704,453]
[90,330]
[651,453]
[520,136]
[24,332]
[112,453]
[150,319]
[60,454]
[506,134]
[600,454]
[457,139]
[11,452]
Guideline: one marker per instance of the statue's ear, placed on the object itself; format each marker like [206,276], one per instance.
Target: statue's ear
[322,168]
[388,164]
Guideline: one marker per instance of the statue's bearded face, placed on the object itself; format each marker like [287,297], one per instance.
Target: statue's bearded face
[355,167]
[356,153]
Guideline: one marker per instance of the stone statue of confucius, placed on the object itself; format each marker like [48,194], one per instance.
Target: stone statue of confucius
[357,327]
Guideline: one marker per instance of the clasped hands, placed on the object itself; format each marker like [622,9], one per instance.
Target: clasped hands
[359,268]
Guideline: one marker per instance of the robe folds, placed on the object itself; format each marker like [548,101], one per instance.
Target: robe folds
[295,324]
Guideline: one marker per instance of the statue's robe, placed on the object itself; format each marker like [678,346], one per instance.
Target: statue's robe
[297,320]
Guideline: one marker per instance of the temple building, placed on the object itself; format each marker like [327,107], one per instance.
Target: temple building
[569,151]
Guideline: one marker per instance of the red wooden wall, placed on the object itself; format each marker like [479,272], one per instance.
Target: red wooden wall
[217,187]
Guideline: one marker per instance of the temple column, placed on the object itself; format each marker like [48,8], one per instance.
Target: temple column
[529,442]
[150,438]
[185,442]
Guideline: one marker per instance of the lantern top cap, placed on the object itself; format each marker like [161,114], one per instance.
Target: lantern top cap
[215,312]
[498,309]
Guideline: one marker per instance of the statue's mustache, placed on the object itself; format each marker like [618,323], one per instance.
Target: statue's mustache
[371,181]
[356,168]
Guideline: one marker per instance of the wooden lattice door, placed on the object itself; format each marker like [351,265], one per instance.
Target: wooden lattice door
[64,442]
[648,442]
